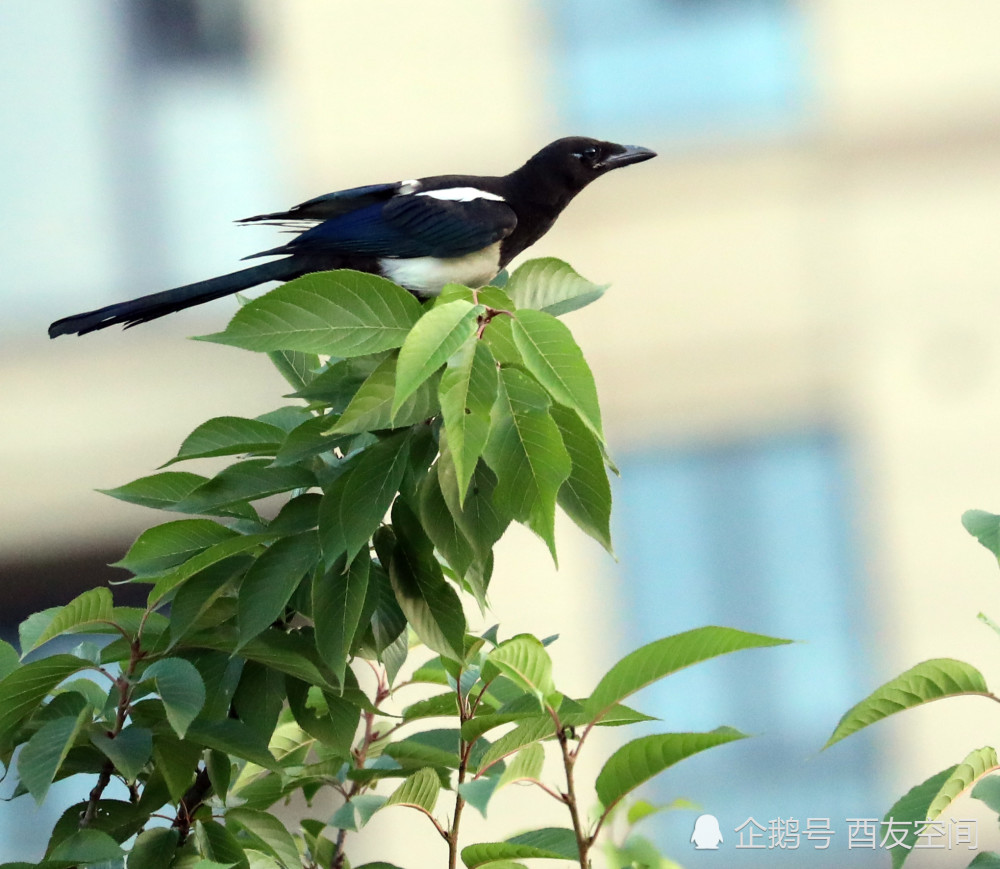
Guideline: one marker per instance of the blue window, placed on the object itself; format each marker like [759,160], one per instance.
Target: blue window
[755,536]
[678,67]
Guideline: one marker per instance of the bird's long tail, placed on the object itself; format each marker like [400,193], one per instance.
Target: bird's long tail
[147,308]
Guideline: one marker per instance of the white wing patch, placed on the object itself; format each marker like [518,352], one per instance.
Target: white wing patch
[406,187]
[460,194]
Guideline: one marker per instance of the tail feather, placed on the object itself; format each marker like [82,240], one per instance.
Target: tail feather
[147,308]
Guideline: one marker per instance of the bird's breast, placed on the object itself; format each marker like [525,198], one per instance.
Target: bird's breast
[427,275]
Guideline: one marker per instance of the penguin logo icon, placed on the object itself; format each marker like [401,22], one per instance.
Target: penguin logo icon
[706,835]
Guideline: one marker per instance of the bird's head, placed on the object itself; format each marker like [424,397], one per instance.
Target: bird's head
[577,160]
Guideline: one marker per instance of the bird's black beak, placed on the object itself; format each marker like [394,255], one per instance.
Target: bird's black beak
[629,154]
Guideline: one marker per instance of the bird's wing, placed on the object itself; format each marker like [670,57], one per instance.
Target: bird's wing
[330,204]
[411,225]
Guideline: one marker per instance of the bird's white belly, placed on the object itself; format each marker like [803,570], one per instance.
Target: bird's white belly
[427,275]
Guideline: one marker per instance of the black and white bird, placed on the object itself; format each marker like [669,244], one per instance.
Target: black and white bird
[422,233]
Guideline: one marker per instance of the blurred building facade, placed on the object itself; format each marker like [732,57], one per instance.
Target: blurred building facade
[796,360]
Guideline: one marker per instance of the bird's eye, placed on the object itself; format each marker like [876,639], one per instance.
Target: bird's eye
[589,153]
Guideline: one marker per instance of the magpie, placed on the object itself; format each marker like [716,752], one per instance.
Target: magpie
[422,233]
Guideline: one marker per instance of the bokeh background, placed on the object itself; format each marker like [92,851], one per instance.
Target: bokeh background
[798,360]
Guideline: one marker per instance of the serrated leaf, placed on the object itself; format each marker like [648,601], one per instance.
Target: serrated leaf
[85,847]
[419,790]
[551,354]
[549,284]
[524,661]
[467,392]
[911,809]
[22,690]
[641,759]
[44,752]
[985,527]
[438,705]
[310,438]
[160,491]
[550,843]
[499,337]
[229,436]
[448,539]
[234,738]
[154,848]
[988,790]
[372,407]
[181,689]
[478,792]
[668,655]
[269,832]
[129,751]
[437,748]
[527,764]
[217,844]
[985,860]
[93,607]
[271,580]
[338,598]
[298,369]
[434,337]
[9,659]
[479,519]
[357,812]
[538,728]
[357,500]
[249,480]
[430,604]
[976,764]
[215,554]
[927,681]
[164,546]
[526,452]
[342,313]
[586,494]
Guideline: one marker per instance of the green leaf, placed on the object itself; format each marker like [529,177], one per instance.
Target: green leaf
[526,765]
[526,452]
[272,579]
[310,439]
[172,543]
[269,833]
[976,764]
[419,790]
[324,716]
[440,525]
[467,393]
[586,494]
[181,689]
[22,690]
[129,751]
[988,790]
[438,748]
[439,705]
[478,517]
[357,812]
[44,752]
[534,730]
[430,604]
[912,808]
[204,600]
[249,480]
[93,607]
[553,357]
[342,313]
[219,845]
[985,860]
[478,793]
[550,843]
[234,738]
[436,336]
[160,491]
[524,661]
[9,659]
[499,337]
[372,409]
[215,554]
[338,598]
[85,847]
[985,527]
[229,436]
[927,681]
[641,759]
[549,284]
[668,655]
[154,848]
[298,369]
[356,501]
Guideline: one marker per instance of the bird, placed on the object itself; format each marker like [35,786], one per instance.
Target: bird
[421,233]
